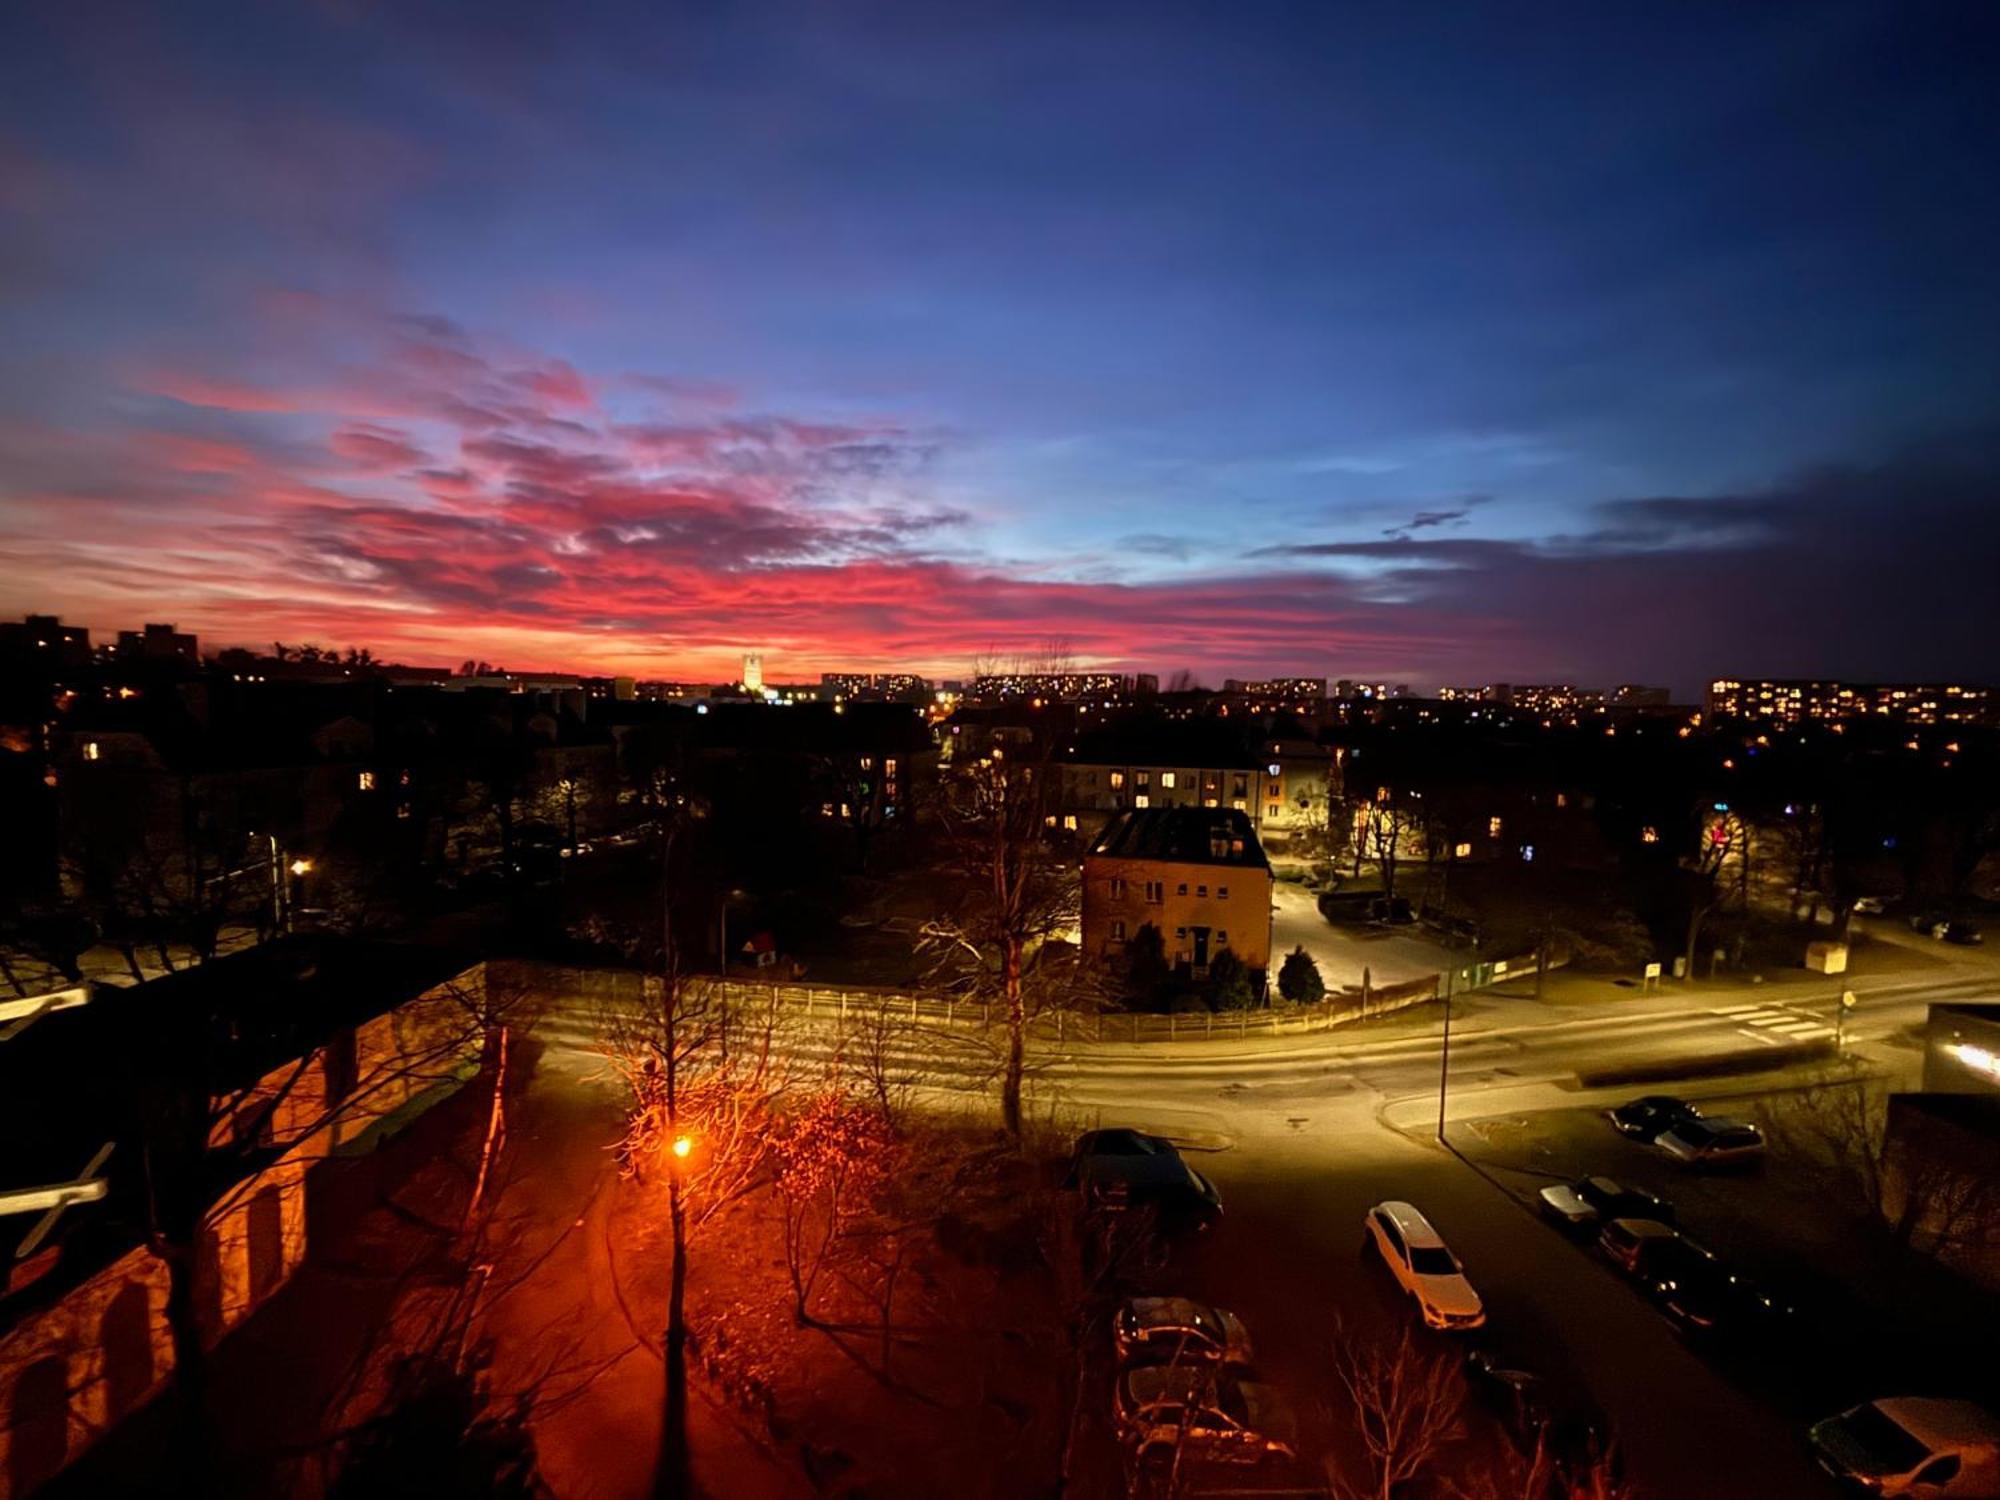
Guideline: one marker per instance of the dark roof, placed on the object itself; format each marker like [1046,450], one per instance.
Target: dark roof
[1183,835]
[1968,1010]
[1198,744]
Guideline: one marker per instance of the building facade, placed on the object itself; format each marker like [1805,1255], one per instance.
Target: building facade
[1198,875]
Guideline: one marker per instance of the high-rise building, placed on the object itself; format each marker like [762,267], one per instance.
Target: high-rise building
[753,672]
[1784,701]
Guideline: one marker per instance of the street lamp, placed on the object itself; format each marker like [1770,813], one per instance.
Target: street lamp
[682,1146]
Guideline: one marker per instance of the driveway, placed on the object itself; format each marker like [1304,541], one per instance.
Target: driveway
[1389,954]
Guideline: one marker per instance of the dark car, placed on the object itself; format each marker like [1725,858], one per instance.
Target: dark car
[1947,928]
[1651,1116]
[1392,911]
[1575,1439]
[1122,1170]
[1707,1301]
[1594,1200]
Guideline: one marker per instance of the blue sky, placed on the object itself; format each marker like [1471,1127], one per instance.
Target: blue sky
[1257,338]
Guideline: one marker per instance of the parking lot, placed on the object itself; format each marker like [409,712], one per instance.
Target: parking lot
[1288,1259]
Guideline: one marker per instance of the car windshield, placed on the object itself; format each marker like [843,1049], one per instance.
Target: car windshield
[1886,1444]
[1432,1260]
[1230,1399]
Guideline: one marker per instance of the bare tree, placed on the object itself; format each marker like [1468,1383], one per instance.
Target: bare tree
[1406,1406]
[830,1156]
[1019,894]
[701,1077]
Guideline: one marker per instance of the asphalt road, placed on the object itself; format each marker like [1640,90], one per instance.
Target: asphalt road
[1302,1134]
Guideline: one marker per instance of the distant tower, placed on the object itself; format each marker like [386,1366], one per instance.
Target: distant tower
[753,672]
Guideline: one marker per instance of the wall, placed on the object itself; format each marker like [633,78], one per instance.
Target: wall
[1245,914]
[70,1370]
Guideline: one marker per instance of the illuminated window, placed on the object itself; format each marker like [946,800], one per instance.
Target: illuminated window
[403,810]
[1117,780]
[92,750]
[1167,780]
[1272,768]
[1211,802]
[1142,778]
[1140,799]
[1462,851]
[1493,828]
[1117,888]
[1049,821]
[888,768]
[867,762]
[1117,932]
[1069,821]
[365,781]
[1649,835]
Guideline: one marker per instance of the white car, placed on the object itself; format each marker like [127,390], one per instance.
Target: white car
[1712,1141]
[1913,1445]
[1423,1266]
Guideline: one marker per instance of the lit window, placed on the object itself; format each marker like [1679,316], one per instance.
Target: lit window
[1272,768]
[1493,828]
[365,781]
[1562,798]
[1117,932]
[1462,851]
[1069,821]
[1117,780]
[845,812]
[1211,802]
[1117,888]
[1143,778]
[1140,799]
[867,762]
[1649,835]
[92,750]
[1049,821]
[888,768]
[403,810]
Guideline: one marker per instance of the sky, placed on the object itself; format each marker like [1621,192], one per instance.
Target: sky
[1431,343]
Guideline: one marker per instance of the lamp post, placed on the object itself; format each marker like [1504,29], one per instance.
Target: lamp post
[1444,1053]
[300,868]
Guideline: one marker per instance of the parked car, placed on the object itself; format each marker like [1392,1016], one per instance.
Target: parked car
[1205,1411]
[1645,1118]
[1392,911]
[1178,1330]
[1913,1445]
[1591,1200]
[1707,1301]
[1633,1244]
[1423,1266]
[1947,928]
[1575,1440]
[1869,906]
[1713,1141]
[1118,1170]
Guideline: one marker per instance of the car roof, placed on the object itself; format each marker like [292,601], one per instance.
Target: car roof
[1938,1422]
[1610,1187]
[1415,1229]
[1174,1312]
[1647,1229]
[1177,1384]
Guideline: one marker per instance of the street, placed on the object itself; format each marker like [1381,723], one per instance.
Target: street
[1302,1134]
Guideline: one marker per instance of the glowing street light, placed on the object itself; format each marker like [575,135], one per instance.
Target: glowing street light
[301,866]
[683,1145]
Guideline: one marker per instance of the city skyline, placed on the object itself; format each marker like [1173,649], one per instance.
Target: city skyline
[1366,345]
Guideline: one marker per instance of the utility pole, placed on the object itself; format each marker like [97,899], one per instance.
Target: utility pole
[1444,1054]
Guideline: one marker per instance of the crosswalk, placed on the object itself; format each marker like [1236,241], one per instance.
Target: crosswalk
[1774,1025]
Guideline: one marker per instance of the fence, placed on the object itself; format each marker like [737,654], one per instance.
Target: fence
[837,1003]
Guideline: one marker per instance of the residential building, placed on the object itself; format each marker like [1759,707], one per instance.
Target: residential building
[1279,784]
[304,1056]
[159,643]
[1798,701]
[1196,874]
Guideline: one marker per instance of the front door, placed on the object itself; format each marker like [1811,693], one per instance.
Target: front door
[1200,946]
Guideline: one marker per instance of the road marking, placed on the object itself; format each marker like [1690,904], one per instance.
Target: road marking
[1794,1028]
[1760,1036]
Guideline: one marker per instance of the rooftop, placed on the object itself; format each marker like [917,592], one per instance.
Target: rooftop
[1183,835]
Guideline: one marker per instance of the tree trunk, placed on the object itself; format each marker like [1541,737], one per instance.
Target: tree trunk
[193,1440]
[673,1480]
[1010,1087]
[1694,937]
[496,1124]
